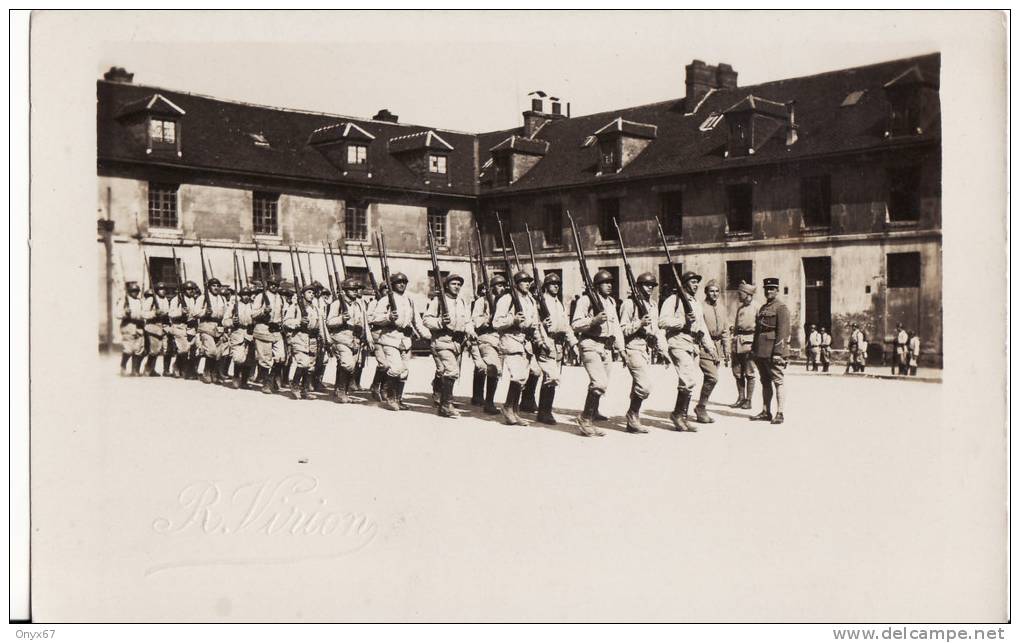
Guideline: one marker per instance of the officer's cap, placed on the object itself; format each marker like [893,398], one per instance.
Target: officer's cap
[690,274]
[771,282]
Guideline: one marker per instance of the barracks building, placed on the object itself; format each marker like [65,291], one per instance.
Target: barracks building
[829,182]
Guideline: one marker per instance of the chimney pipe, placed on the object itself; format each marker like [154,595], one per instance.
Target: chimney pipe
[791,125]
[118,75]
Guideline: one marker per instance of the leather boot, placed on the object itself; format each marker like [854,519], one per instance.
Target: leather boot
[136,365]
[679,414]
[702,415]
[740,393]
[320,368]
[545,404]
[207,368]
[491,382]
[598,417]
[394,389]
[528,404]
[478,388]
[379,384]
[224,371]
[355,380]
[634,416]
[266,376]
[748,395]
[437,391]
[584,424]
[150,366]
[342,385]
[446,402]
[167,372]
[778,419]
[306,383]
[297,390]
[125,359]
[513,397]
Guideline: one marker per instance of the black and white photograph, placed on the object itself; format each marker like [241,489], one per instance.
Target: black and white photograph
[518,317]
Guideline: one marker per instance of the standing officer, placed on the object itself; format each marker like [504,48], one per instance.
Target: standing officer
[600,336]
[826,350]
[488,341]
[556,334]
[397,327]
[718,334]
[771,334]
[517,330]
[687,338]
[814,348]
[449,333]
[155,333]
[642,337]
[132,337]
[347,333]
[743,339]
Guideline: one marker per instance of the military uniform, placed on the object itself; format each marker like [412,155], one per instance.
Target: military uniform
[826,352]
[395,340]
[132,334]
[640,340]
[487,340]
[858,347]
[304,322]
[717,333]
[156,313]
[686,339]
[814,349]
[270,350]
[914,346]
[183,329]
[596,342]
[771,337]
[346,335]
[900,361]
[238,325]
[448,341]
[515,343]
[743,367]
[556,334]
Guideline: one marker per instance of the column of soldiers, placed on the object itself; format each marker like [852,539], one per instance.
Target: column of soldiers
[262,332]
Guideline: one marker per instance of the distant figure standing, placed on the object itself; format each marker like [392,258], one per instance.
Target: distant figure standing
[826,350]
[814,348]
[858,350]
[914,350]
[899,365]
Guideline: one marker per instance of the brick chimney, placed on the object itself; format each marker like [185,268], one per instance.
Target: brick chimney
[702,77]
[725,76]
[544,108]
[118,75]
[386,116]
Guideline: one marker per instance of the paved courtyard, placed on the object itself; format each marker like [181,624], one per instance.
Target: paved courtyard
[470,519]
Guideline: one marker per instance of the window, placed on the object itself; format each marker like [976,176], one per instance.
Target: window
[738,207]
[359,273]
[816,201]
[672,210]
[904,194]
[263,213]
[667,284]
[738,272]
[607,155]
[553,224]
[437,164]
[609,209]
[437,224]
[356,223]
[164,269]
[162,131]
[502,170]
[357,155]
[904,269]
[264,270]
[709,123]
[905,118]
[163,205]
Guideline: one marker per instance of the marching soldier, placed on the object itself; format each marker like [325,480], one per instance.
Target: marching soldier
[321,302]
[209,313]
[379,379]
[397,327]
[516,331]
[132,334]
[346,321]
[269,347]
[771,334]
[449,333]
[550,351]
[814,348]
[488,341]
[155,334]
[743,339]
[238,325]
[599,337]
[718,334]
[643,337]
[182,329]
[478,377]
[303,321]
[686,338]
[826,352]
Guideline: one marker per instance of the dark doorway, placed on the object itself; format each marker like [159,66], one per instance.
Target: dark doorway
[164,269]
[667,284]
[817,293]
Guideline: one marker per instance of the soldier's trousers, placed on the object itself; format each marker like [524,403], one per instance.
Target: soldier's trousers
[132,339]
[238,346]
[209,340]
[476,356]
[182,338]
[492,358]
[639,363]
[771,382]
[814,355]
[346,355]
[710,377]
[269,347]
[155,340]
[743,367]
[519,365]
[597,359]
[396,361]
[447,358]
[551,364]
[303,348]
[687,371]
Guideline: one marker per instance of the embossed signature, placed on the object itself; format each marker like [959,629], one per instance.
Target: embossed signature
[282,509]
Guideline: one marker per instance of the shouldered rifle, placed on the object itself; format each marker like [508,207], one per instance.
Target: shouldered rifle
[262,275]
[180,282]
[371,276]
[489,299]
[515,296]
[589,287]
[339,285]
[639,298]
[205,280]
[381,238]
[293,273]
[543,309]
[152,284]
[333,286]
[343,262]
[308,258]
[688,309]
[517,257]
[237,289]
[123,277]
[444,311]
[244,268]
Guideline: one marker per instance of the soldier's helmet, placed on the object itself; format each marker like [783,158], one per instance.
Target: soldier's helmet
[308,287]
[190,285]
[398,277]
[317,286]
[132,286]
[255,286]
[227,290]
[647,278]
[602,277]
[286,287]
[522,276]
[160,285]
[245,291]
[497,280]
[690,274]
[213,281]
[273,281]
[454,277]
[350,284]
[482,289]
[552,278]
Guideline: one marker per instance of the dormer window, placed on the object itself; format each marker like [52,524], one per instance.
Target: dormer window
[607,156]
[156,120]
[345,145]
[162,131]
[913,102]
[502,166]
[620,142]
[437,163]
[357,155]
[514,157]
[753,121]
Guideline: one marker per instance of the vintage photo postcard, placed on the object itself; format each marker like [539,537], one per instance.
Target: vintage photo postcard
[521,316]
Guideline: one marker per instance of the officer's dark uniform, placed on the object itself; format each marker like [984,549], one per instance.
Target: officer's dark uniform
[771,334]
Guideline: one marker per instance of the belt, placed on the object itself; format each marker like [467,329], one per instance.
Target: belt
[273,328]
[192,323]
[745,332]
[716,337]
[558,337]
[313,332]
[605,341]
